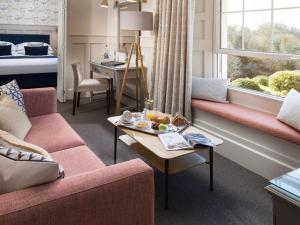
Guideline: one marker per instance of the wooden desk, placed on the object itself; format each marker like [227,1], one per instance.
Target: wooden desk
[168,162]
[116,73]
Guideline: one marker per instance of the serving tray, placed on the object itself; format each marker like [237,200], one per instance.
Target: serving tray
[171,128]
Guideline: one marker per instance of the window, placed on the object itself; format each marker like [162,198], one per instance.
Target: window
[259,44]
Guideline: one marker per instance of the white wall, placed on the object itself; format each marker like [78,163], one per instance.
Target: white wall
[91,29]
[203,39]
[86,18]
[147,41]
[87,24]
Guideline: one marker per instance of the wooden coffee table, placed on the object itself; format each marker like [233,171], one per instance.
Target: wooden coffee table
[168,162]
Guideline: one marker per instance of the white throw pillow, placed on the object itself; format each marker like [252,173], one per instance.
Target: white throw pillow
[290,109]
[12,118]
[210,89]
[35,44]
[20,169]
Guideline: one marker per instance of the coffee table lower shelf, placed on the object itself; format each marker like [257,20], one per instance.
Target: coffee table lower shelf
[176,165]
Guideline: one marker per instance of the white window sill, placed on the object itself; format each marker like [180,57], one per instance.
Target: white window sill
[257,94]
[255,100]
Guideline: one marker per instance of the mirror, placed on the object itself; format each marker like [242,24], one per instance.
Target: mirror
[125,38]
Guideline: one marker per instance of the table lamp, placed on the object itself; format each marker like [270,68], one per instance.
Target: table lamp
[135,21]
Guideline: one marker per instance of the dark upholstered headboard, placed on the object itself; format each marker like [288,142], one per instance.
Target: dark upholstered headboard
[20,38]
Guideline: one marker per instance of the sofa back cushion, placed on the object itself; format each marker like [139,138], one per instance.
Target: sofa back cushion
[10,141]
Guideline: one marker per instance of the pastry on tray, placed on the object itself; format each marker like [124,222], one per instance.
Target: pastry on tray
[163,118]
[179,120]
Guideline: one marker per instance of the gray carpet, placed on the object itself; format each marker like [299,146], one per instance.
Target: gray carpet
[239,197]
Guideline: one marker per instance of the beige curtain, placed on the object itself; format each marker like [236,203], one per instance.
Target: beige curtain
[172,64]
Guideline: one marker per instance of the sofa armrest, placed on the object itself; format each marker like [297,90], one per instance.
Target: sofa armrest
[40,101]
[113,195]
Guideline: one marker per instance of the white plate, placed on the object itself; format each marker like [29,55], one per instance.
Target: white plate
[149,123]
[127,121]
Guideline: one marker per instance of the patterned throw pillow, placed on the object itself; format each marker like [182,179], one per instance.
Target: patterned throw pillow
[12,89]
[38,169]
[12,119]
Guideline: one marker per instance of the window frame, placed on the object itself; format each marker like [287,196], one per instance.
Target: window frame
[240,52]
[256,96]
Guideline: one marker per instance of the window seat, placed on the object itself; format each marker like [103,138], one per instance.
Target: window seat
[261,121]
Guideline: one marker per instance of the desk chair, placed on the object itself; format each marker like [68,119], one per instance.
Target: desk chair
[90,85]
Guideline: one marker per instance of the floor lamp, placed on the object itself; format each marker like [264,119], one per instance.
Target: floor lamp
[135,21]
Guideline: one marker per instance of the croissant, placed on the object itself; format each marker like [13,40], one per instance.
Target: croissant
[179,121]
[165,119]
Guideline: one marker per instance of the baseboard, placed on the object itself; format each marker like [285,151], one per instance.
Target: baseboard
[261,153]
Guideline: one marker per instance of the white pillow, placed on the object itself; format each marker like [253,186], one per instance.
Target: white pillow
[290,109]
[21,169]
[210,89]
[35,44]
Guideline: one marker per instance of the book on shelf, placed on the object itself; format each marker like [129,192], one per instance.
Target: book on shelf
[176,141]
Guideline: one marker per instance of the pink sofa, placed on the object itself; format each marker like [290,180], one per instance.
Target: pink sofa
[91,193]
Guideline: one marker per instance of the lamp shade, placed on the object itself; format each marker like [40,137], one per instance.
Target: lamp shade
[136,20]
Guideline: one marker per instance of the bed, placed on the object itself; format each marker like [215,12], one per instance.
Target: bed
[28,71]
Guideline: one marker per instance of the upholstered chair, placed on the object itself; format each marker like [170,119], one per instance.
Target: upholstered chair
[88,85]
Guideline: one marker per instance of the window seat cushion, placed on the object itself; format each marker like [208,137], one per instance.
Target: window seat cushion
[261,121]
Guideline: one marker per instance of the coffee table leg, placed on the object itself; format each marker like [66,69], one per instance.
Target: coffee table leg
[211,167]
[166,184]
[115,145]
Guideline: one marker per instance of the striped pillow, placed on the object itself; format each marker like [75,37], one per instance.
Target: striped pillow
[21,169]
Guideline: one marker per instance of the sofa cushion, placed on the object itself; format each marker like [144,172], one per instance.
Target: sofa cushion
[77,160]
[261,121]
[10,141]
[52,133]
